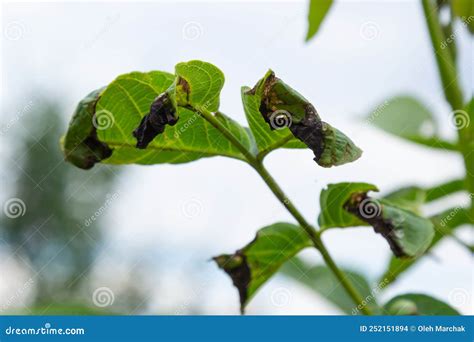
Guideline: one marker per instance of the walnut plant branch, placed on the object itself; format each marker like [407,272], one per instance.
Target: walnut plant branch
[283,198]
[175,118]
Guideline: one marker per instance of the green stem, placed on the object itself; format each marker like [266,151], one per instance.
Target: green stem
[280,195]
[261,154]
[453,94]
[446,66]
[313,234]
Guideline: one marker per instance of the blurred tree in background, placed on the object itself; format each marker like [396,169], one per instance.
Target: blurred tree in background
[59,232]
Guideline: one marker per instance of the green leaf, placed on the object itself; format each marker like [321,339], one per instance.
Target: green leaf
[418,304]
[434,142]
[413,197]
[251,266]
[410,198]
[464,9]
[316,14]
[444,224]
[321,280]
[445,189]
[203,86]
[408,234]
[406,117]
[80,145]
[110,119]
[266,139]
[332,201]
[403,116]
[283,107]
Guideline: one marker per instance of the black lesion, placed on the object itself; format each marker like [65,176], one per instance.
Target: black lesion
[97,151]
[310,132]
[381,225]
[309,129]
[162,113]
[237,268]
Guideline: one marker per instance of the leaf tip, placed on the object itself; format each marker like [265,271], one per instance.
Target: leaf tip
[80,145]
[337,148]
[237,268]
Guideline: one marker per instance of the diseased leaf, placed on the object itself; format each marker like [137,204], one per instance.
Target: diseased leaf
[251,266]
[347,204]
[281,106]
[408,234]
[197,84]
[80,145]
[444,224]
[122,107]
[316,14]
[266,139]
[321,280]
[418,304]
[332,201]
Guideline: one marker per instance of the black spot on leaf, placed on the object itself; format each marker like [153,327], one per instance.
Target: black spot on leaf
[237,268]
[162,113]
[371,211]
